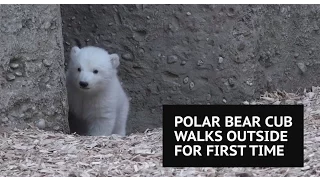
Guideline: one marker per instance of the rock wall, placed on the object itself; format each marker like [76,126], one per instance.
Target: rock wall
[200,54]
[32,67]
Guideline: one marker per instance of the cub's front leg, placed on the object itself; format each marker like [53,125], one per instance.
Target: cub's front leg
[102,126]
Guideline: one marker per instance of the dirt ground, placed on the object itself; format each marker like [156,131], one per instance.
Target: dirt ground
[39,153]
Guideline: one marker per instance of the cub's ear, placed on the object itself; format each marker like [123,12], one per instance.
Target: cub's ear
[115,60]
[74,51]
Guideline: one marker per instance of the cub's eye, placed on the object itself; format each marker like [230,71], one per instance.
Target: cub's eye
[79,69]
[95,71]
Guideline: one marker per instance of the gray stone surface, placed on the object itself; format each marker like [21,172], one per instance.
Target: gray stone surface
[32,76]
[200,54]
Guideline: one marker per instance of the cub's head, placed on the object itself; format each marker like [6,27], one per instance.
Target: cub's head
[91,68]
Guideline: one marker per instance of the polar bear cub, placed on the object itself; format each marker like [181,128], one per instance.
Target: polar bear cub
[98,105]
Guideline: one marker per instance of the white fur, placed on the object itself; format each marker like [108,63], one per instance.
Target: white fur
[103,108]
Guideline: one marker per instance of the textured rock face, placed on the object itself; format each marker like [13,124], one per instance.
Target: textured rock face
[32,67]
[200,54]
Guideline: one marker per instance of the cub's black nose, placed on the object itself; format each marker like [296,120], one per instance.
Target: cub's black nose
[83,84]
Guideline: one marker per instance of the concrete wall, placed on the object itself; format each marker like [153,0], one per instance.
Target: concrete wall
[32,76]
[200,54]
[171,54]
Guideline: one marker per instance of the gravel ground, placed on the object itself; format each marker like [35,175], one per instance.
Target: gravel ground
[34,152]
